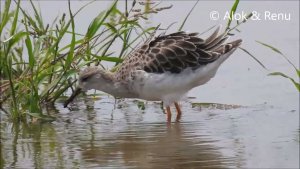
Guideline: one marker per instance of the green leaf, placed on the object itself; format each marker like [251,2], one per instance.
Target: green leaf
[61,34]
[94,26]
[14,24]
[55,82]
[111,27]
[5,15]
[30,19]
[278,74]
[80,41]
[71,52]
[187,16]
[271,47]
[34,99]
[279,52]
[253,57]
[50,87]
[140,35]
[232,11]
[60,90]
[30,52]
[38,16]
[98,21]
[108,58]
[297,85]
[15,38]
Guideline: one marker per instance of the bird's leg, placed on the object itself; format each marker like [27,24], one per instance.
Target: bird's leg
[178,111]
[168,109]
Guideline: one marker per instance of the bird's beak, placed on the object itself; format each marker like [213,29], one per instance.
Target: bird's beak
[72,97]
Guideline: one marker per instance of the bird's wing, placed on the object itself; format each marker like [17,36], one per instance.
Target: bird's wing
[176,52]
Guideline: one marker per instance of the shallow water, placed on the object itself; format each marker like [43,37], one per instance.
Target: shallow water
[263,132]
[127,137]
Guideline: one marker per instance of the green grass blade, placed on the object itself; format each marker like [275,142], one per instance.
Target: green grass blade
[187,16]
[38,16]
[111,27]
[71,52]
[5,15]
[108,58]
[14,24]
[30,20]
[49,87]
[139,36]
[279,52]
[94,26]
[253,57]
[14,39]
[34,100]
[297,85]
[63,86]
[61,33]
[232,11]
[271,47]
[30,53]
[278,74]
[13,27]
[98,21]
[80,41]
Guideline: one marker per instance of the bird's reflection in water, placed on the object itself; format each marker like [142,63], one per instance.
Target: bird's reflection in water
[155,145]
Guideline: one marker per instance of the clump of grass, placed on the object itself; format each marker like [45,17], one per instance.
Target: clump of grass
[36,69]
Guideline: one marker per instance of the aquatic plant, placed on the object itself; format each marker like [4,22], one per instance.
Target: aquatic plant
[37,69]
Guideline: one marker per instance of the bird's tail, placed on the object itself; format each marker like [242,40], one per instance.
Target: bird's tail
[216,45]
[216,42]
[227,47]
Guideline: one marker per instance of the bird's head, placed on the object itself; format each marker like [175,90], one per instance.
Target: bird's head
[90,78]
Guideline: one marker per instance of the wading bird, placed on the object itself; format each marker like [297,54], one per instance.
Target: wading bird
[163,69]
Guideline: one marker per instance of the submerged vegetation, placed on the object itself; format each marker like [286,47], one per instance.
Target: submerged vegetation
[37,68]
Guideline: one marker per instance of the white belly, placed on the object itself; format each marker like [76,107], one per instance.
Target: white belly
[171,87]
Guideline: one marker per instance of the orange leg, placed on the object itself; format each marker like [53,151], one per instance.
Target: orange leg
[178,111]
[169,113]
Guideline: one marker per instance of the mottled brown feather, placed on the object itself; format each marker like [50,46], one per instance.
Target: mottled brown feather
[176,52]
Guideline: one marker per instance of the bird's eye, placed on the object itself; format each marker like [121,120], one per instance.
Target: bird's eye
[84,79]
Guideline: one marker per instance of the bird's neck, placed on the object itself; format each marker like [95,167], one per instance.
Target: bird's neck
[114,87]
